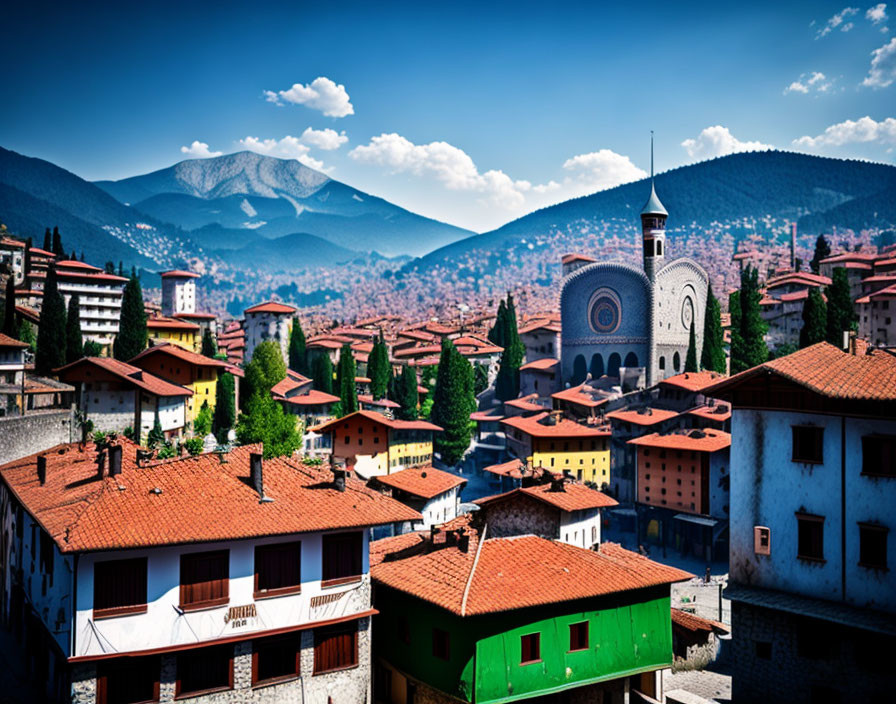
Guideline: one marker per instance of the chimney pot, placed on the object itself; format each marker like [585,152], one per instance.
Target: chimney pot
[255,468]
[339,479]
[101,463]
[42,469]
[114,460]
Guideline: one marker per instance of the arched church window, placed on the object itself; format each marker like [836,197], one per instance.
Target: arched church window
[579,369]
[631,360]
[662,362]
[597,366]
[676,361]
[613,365]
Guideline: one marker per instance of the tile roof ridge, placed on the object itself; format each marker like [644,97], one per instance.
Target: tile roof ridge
[463,603]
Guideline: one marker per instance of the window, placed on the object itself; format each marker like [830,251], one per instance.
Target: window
[762,540]
[873,546]
[810,537]
[530,648]
[879,455]
[119,587]
[204,579]
[807,444]
[204,670]
[441,644]
[336,647]
[341,558]
[278,569]
[128,681]
[578,636]
[275,659]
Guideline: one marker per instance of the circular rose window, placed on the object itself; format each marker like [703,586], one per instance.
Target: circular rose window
[604,312]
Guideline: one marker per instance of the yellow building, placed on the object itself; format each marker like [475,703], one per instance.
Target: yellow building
[558,444]
[374,445]
[180,366]
[179,332]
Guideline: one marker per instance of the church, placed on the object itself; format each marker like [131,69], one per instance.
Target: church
[632,322]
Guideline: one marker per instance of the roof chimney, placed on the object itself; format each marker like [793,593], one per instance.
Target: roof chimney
[339,479]
[143,456]
[463,540]
[255,472]
[114,460]
[557,482]
[42,469]
[100,463]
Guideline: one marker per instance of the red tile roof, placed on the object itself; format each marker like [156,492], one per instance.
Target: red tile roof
[655,415]
[480,416]
[503,574]
[581,395]
[179,274]
[574,497]
[720,412]
[525,403]
[381,419]
[829,372]
[802,278]
[386,546]
[693,623]
[170,324]
[312,398]
[130,374]
[10,242]
[180,353]
[541,365]
[292,381]
[569,258]
[693,381]
[513,469]
[706,440]
[7,341]
[201,499]
[271,307]
[380,402]
[75,264]
[563,428]
[425,482]
[541,324]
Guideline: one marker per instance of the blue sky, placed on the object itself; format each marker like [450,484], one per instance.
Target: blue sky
[468,114]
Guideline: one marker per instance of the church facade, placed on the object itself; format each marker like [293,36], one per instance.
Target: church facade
[622,320]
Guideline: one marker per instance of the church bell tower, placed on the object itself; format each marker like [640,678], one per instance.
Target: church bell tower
[653,228]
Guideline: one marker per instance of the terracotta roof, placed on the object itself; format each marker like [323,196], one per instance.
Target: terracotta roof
[830,372]
[170,324]
[693,381]
[271,307]
[720,412]
[425,482]
[7,341]
[312,398]
[385,546]
[130,374]
[800,277]
[201,499]
[381,402]
[848,256]
[541,365]
[180,353]
[519,572]
[656,415]
[549,325]
[574,497]
[480,416]
[75,264]
[325,344]
[569,258]
[42,252]
[381,419]
[195,316]
[513,469]
[563,428]
[179,274]
[706,440]
[693,623]
[290,382]
[526,403]
[578,396]
[10,242]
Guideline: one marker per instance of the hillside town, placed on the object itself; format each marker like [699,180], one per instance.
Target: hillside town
[659,487]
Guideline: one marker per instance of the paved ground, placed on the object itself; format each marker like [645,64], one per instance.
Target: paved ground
[713,686]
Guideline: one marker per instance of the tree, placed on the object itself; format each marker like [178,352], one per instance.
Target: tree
[92,349]
[822,251]
[155,437]
[480,378]
[202,424]
[298,354]
[748,348]
[507,385]
[815,317]
[51,332]
[132,335]
[110,268]
[48,241]
[453,402]
[496,334]
[323,374]
[379,369]
[209,348]
[265,422]
[840,313]
[225,410]
[9,316]
[265,370]
[712,356]
[345,379]
[58,250]
[74,341]
[406,393]
[690,361]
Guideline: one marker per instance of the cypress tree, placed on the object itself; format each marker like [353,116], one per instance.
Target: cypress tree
[406,391]
[507,385]
[51,332]
[690,361]
[323,373]
[225,410]
[120,268]
[822,251]
[345,377]
[298,360]
[840,313]
[750,349]
[378,369]
[57,245]
[713,354]
[132,335]
[814,319]
[9,317]
[499,329]
[48,241]
[453,402]
[110,268]
[209,348]
[74,341]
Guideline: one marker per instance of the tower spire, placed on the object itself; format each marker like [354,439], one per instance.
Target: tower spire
[651,159]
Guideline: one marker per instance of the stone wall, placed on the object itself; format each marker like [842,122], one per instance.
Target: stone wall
[521,515]
[36,431]
[782,657]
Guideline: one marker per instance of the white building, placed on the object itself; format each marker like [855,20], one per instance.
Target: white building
[253,588]
[433,493]
[12,375]
[268,321]
[877,317]
[99,299]
[813,486]
[178,292]
[12,253]
[782,306]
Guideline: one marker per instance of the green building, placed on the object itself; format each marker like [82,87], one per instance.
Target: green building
[512,619]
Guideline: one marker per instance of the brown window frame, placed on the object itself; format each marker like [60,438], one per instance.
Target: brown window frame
[293,639]
[179,692]
[817,450]
[139,606]
[261,551]
[874,528]
[867,442]
[104,668]
[809,519]
[330,539]
[576,646]
[340,630]
[184,587]
[530,644]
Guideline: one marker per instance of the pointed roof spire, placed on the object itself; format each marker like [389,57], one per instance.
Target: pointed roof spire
[653,205]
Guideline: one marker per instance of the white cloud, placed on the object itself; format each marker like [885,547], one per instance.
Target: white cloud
[602,169]
[287,148]
[807,82]
[718,141]
[321,94]
[838,21]
[883,66]
[863,130]
[199,150]
[877,14]
[325,139]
